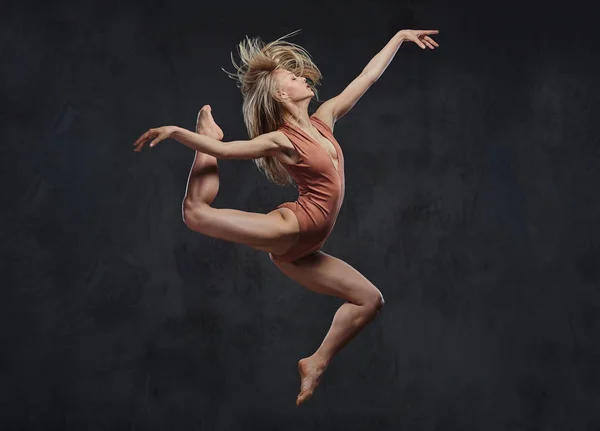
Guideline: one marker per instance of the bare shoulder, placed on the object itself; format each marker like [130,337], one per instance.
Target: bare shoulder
[280,139]
[286,152]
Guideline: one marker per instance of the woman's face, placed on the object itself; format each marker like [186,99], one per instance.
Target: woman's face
[291,86]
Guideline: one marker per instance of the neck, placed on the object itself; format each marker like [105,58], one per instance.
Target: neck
[297,115]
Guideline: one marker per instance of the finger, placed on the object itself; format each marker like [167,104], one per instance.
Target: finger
[430,40]
[428,31]
[140,144]
[140,141]
[428,44]
[157,140]
[152,133]
[417,41]
[143,137]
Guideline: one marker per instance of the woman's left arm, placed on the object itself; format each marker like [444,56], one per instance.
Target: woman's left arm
[336,107]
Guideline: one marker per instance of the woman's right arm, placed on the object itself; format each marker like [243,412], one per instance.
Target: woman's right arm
[267,144]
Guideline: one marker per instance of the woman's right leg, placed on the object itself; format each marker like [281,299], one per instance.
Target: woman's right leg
[329,275]
[275,232]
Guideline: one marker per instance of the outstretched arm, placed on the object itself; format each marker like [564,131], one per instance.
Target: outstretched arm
[336,107]
[267,144]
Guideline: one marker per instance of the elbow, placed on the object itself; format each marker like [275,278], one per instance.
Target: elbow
[372,79]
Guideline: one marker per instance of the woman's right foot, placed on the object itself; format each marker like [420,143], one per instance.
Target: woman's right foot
[310,370]
[205,124]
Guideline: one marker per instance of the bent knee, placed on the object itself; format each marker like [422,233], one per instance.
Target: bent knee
[194,216]
[375,301]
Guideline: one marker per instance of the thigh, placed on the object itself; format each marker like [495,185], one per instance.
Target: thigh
[275,232]
[328,275]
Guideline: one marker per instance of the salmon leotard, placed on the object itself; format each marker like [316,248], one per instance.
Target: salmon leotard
[320,189]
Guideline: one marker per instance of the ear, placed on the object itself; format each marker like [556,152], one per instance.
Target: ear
[281,95]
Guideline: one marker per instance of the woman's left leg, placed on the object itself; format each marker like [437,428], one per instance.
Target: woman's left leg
[204,166]
[275,232]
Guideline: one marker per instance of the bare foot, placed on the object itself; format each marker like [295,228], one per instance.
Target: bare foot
[310,370]
[205,124]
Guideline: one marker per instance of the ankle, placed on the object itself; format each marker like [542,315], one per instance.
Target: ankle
[209,133]
[320,359]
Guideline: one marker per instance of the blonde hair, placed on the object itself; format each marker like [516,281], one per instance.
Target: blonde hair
[262,110]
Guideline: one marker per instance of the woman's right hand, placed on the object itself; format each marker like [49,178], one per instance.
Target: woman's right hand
[157,135]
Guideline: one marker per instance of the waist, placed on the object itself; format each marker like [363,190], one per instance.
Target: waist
[321,214]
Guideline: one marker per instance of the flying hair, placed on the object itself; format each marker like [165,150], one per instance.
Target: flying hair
[262,110]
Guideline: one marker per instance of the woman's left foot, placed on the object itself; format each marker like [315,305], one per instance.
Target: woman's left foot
[206,125]
[310,370]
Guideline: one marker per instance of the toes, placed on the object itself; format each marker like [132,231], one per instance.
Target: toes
[205,110]
[302,397]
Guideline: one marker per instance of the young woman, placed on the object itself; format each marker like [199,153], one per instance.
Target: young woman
[278,80]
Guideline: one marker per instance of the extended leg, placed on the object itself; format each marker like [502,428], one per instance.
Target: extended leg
[203,180]
[329,275]
[274,232]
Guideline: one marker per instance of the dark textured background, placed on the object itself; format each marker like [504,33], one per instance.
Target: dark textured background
[472,203]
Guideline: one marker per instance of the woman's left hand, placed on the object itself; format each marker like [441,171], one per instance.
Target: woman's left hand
[157,135]
[420,37]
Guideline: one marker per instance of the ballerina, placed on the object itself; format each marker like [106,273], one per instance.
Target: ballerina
[278,80]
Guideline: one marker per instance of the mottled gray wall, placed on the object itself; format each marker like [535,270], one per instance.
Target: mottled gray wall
[472,203]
